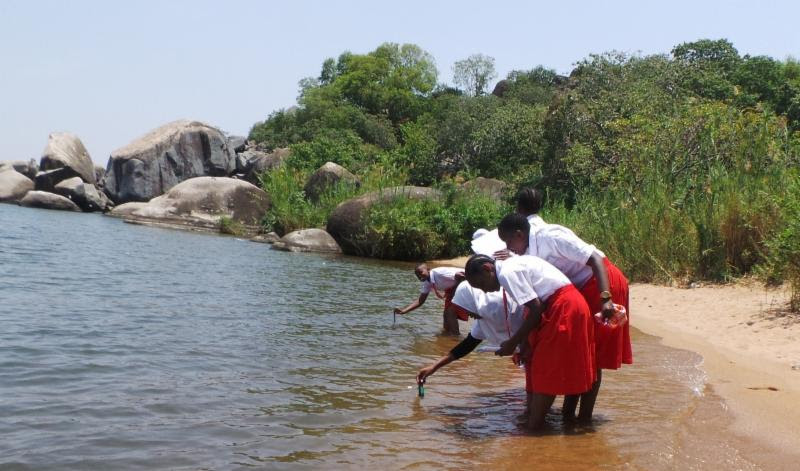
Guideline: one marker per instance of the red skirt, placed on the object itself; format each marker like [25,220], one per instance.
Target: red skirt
[461,313]
[562,359]
[612,345]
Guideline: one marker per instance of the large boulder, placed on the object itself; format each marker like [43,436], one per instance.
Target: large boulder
[48,179]
[237,143]
[490,187]
[85,195]
[151,165]
[200,203]
[28,168]
[13,185]
[65,150]
[346,223]
[99,175]
[327,176]
[256,162]
[308,240]
[43,199]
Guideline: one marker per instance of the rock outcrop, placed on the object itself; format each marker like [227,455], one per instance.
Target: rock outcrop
[199,204]
[490,187]
[308,240]
[47,180]
[28,168]
[173,153]
[346,223]
[237,143]
[43,199]
[255,162]
[13,185]
[85,195]
[65,150]
[327,176]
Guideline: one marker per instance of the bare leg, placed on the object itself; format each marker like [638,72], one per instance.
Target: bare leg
[450,322]
[540,405]
[523,418]
[588,399]
[570,405]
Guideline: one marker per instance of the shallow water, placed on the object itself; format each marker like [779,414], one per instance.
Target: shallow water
[129,347]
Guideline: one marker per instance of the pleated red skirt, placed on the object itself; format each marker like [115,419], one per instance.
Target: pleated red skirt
[562,360]
[612,345]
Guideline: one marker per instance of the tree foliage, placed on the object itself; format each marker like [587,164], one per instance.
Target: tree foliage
[474,73]
[670,162]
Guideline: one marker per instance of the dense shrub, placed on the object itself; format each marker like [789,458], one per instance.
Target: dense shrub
[670,163]
[406,229]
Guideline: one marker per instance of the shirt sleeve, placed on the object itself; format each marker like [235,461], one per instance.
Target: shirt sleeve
[514,281]
[477,331]
[465,298]
[425,288]
[567,245]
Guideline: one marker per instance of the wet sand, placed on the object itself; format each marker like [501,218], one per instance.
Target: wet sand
[750,351]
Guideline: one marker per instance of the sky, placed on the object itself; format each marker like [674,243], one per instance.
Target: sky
[110,71]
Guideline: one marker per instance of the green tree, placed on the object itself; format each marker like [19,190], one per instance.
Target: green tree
[708,66]
[474,73]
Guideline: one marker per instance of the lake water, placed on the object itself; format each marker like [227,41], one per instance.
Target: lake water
[129,347]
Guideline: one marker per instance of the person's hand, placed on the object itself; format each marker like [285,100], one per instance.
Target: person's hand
[506,348]
[399,311]
[423,374]
[502,254]
[608,309]
[459,277]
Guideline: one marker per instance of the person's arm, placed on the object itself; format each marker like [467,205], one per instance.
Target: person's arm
[535,308]
[462,349]
[417,303]
[601,275]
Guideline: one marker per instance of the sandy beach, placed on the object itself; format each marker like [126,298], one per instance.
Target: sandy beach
[749,346]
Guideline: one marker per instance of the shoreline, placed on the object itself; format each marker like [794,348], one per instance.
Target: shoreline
[750,350]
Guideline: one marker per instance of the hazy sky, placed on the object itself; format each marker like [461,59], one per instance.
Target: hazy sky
[109,71]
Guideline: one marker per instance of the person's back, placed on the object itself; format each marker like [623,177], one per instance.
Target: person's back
[499,316]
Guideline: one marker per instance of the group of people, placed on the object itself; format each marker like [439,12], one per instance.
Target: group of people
[543,296]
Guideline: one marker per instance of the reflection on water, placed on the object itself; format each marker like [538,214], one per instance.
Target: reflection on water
[127,347]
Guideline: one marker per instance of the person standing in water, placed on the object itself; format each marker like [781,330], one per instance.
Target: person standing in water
[558,327]
[498,316]
[443,282]
[600,282]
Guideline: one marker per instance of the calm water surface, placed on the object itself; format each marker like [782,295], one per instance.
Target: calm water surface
[129,347]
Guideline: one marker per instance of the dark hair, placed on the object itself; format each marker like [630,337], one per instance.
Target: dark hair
[529,200]
[475,264]
[514,222]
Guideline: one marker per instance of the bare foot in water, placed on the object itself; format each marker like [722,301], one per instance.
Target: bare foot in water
[522,419]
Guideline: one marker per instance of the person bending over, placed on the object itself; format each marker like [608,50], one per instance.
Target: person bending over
[443,282]
[600,282]
[558,327]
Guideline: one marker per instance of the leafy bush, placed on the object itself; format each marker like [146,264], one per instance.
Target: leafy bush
[783,263]
[230,226]
[291,210]
[406,229]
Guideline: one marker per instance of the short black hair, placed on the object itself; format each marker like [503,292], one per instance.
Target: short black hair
[529,200]
[475,264]
[514,222]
